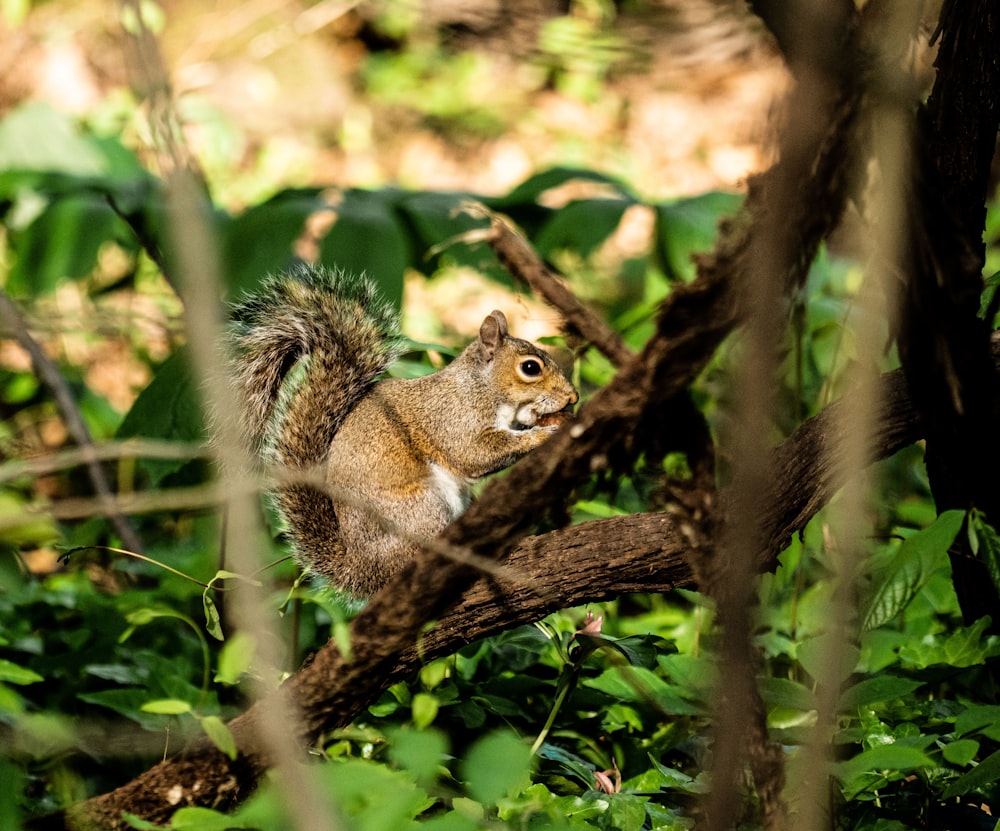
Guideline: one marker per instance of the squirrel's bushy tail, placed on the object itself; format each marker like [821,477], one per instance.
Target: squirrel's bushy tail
[335,321]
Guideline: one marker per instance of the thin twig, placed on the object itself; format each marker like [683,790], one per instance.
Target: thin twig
[113,450]
[13,322]
[523,262]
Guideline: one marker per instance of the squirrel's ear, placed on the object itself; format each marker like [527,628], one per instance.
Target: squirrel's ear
[492,332]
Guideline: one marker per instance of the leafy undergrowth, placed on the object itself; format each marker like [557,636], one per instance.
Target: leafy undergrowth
[110,662]
[577,722]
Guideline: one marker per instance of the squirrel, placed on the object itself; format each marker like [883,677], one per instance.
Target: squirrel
[408,450]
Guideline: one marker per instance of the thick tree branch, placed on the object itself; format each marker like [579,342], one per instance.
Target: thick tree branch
[943,343]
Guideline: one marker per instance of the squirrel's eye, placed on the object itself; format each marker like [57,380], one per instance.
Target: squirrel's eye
[531,367]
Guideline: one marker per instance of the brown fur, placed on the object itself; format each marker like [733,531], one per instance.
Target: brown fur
[407,451]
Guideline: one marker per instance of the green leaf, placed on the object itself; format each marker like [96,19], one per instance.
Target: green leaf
[986,773]
[63,243]
[139,823]
[580,227]
[639,684]
[961,751]
[875,689]
[14,674]
[213,620]
[985,544]
[169,409]
[260,241]
[202,819]
[784,692]
[434,220]
[425,709]
[815,655]
[990,286]
[434,673]
[496,765]
[887,757]
[235,657]
[895,586]
[533,188]
[965,646]
[421,752]
[371,797]
[166,707]
[368,238]
[974,718]
[128,702]
[35,136]
[451,821]
[217,730]
[687,226]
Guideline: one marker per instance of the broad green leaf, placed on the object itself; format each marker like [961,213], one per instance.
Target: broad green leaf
[572,763]
[815,655]
[639,684]
[139,823]
[626,810]
[687,226]
[985,544]
[260,241]
[235,657]
[166,707]
[128,702]
[888,757]
[433,221]
[63,243]
[496,765]
[35,136]
[372,797]
[14,674]
[32,529]
[974,718]
[638,650]
[679,781]
[874,689]
[961,751]
[986,773]
[451,821]
[169,409]
[895,586]
[425,709]
[202,819]
[784,692]
[990,286]
[421,752]
[217,730]
[532,189]
[432,674]
[964,646]
[580,227]
[368,238]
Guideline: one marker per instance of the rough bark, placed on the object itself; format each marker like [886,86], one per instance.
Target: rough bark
[943,342]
